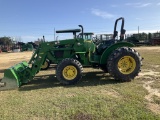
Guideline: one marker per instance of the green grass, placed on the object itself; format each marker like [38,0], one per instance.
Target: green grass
[95,102]
[96,96]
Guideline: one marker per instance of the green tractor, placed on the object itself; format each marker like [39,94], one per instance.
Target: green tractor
[86,36]
[71,55]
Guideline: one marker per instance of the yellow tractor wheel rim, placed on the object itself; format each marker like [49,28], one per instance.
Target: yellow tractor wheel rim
[126,65]
[44,65]
[69,72]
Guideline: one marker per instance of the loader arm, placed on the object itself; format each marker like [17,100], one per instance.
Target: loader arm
[24,72]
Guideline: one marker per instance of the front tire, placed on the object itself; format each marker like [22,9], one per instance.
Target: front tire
[69,71]
[124,64]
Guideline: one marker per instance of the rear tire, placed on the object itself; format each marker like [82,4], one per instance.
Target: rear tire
[124,64]
[46,65]
[69,71]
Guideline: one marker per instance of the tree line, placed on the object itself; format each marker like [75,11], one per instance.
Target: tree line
[6,41]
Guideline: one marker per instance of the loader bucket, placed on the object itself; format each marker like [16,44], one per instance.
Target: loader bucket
[14,76]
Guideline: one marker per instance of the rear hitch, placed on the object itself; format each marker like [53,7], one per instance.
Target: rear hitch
[2,84]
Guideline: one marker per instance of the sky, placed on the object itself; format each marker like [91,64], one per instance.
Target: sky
[28,20]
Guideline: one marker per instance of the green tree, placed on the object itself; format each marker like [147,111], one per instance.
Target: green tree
[5,41]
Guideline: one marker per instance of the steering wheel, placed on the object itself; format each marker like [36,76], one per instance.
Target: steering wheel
[96,40]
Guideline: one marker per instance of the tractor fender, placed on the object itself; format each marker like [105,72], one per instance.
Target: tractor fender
[111,48]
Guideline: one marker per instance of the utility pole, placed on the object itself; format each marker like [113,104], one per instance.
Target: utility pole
[138,32]
[54,34]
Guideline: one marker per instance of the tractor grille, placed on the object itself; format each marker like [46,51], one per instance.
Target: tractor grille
[58,54]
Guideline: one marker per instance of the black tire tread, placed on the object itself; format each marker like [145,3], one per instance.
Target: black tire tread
[111,63]
[62,64]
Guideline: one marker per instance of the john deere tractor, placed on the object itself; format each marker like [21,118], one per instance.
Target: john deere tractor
[86,36]
[116,57]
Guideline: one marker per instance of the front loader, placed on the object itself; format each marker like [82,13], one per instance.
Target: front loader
[113,56]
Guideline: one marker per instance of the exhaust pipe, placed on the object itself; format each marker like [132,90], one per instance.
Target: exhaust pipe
[82,30]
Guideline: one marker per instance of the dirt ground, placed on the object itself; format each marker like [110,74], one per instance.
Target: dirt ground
[9,59]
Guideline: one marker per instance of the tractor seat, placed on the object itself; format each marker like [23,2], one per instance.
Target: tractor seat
[103,46]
